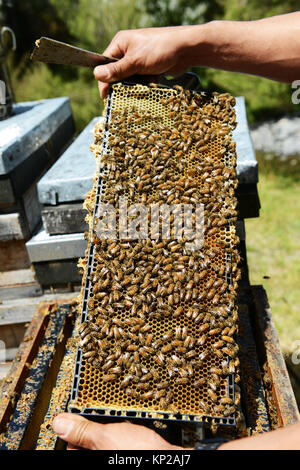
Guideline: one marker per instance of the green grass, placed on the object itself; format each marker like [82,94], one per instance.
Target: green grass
[273,250]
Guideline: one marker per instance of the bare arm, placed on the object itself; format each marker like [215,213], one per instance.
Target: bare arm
[269,47]
[81,433]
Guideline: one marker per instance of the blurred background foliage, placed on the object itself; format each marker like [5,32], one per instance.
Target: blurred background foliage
[91,24]
[273,238]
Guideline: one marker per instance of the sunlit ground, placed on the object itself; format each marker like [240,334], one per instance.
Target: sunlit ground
[273,249]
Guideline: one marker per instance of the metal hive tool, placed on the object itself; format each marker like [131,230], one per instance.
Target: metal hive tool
[144,112]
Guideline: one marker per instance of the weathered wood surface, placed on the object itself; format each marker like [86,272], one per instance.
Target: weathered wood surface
[20,368]
[64,218]
[32,208]
[44,247]
[27,411]
[32,289]
[6,191]
[13,278]
[12,227]
[18,221]
[13,255]
[71,177]
[288,412]
[22,310]
[56,273]
[11,336]
[18,283]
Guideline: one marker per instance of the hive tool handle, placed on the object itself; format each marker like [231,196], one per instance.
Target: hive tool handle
[56,52]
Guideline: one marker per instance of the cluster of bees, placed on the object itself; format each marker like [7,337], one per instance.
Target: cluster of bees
[158,314]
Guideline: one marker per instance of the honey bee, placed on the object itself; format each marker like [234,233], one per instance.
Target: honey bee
[89,354]
[159,359]
[226,401]
[212,395]
[109,378]
[214,331]
[204,406]
[227,339]
[127,379]
[199,383]
[148,395]
[182,380]
[203,328]
[218,344]
[166,348]
[230,352]
[201,340]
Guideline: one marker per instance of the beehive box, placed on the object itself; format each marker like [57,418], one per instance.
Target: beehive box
[158,318]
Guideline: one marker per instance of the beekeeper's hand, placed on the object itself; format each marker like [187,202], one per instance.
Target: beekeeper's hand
[239,46]
[82,433]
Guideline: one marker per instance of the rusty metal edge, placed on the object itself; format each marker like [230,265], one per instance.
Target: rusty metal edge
[283,393]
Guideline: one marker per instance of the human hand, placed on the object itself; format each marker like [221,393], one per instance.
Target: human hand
[82,433]
[151,51]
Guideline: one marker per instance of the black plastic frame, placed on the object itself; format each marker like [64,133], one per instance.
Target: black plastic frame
[103,413]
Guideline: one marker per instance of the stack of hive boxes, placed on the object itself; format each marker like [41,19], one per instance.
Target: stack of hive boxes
[30,142]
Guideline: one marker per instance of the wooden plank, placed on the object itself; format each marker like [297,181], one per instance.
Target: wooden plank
[16,183]
[6,191]
[12,227]
[282,390]
[17,284]
[16,277]
[24,425]
[248,201]
[55,273]
[22,366]
[19,220]
[11,354]
[13,255]
[32,208]
[22,310]
[19,292]
[64,218]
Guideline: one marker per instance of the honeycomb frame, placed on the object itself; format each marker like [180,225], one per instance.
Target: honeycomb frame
[89,394]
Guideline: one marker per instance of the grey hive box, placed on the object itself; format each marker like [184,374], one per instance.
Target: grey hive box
[30,142]
[63,189]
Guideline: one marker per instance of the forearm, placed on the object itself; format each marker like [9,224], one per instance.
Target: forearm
[269,47]
[287,438]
